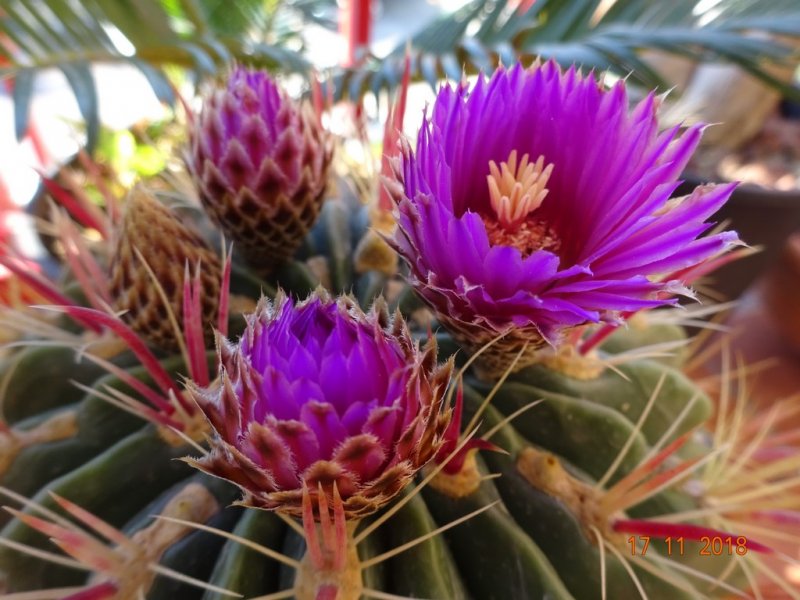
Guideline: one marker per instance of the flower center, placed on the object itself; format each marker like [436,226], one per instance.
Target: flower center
[516,191]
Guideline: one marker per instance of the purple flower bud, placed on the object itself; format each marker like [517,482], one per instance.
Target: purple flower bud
[318,395]
[260,161]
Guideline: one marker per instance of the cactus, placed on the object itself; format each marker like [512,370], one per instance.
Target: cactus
[336,443]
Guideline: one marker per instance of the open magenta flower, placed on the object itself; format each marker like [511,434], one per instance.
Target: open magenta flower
[260,161]
[318,394]
[536,202]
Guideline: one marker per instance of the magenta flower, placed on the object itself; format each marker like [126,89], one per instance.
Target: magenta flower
[536,202]
[319,394]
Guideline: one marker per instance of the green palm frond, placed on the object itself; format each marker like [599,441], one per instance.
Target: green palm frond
[197,35]
[592,34]
[201,36]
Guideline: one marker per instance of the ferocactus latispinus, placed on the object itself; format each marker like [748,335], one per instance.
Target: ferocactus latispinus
[320,395]
[537,202]
[260,161]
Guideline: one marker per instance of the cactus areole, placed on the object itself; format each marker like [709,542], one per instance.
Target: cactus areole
[298,419]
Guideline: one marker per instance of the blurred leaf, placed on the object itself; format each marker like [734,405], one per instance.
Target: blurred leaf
[201,36]
[233,18]
[269,55]
[143,22]
[202,63]
[563,20]
[596,34]
[157,80]
[80,79]
[23,92]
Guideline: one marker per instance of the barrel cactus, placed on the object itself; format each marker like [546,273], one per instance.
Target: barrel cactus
[500,415]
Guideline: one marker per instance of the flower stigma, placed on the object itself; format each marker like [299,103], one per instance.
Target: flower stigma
[516,191]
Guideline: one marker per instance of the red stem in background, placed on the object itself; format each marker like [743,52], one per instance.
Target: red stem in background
[355,25]
[92,279]
[6,203]
[193,326]
[93,169]
[522,6]
[392,131]
[83,214]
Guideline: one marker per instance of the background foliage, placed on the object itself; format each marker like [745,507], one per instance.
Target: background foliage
[201,36]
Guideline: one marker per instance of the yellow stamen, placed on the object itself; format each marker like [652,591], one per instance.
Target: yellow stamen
[516,191]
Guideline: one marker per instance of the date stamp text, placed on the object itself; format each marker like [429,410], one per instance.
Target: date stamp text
[676,546]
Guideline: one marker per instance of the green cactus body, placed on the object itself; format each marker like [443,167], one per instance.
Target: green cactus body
[527,545]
